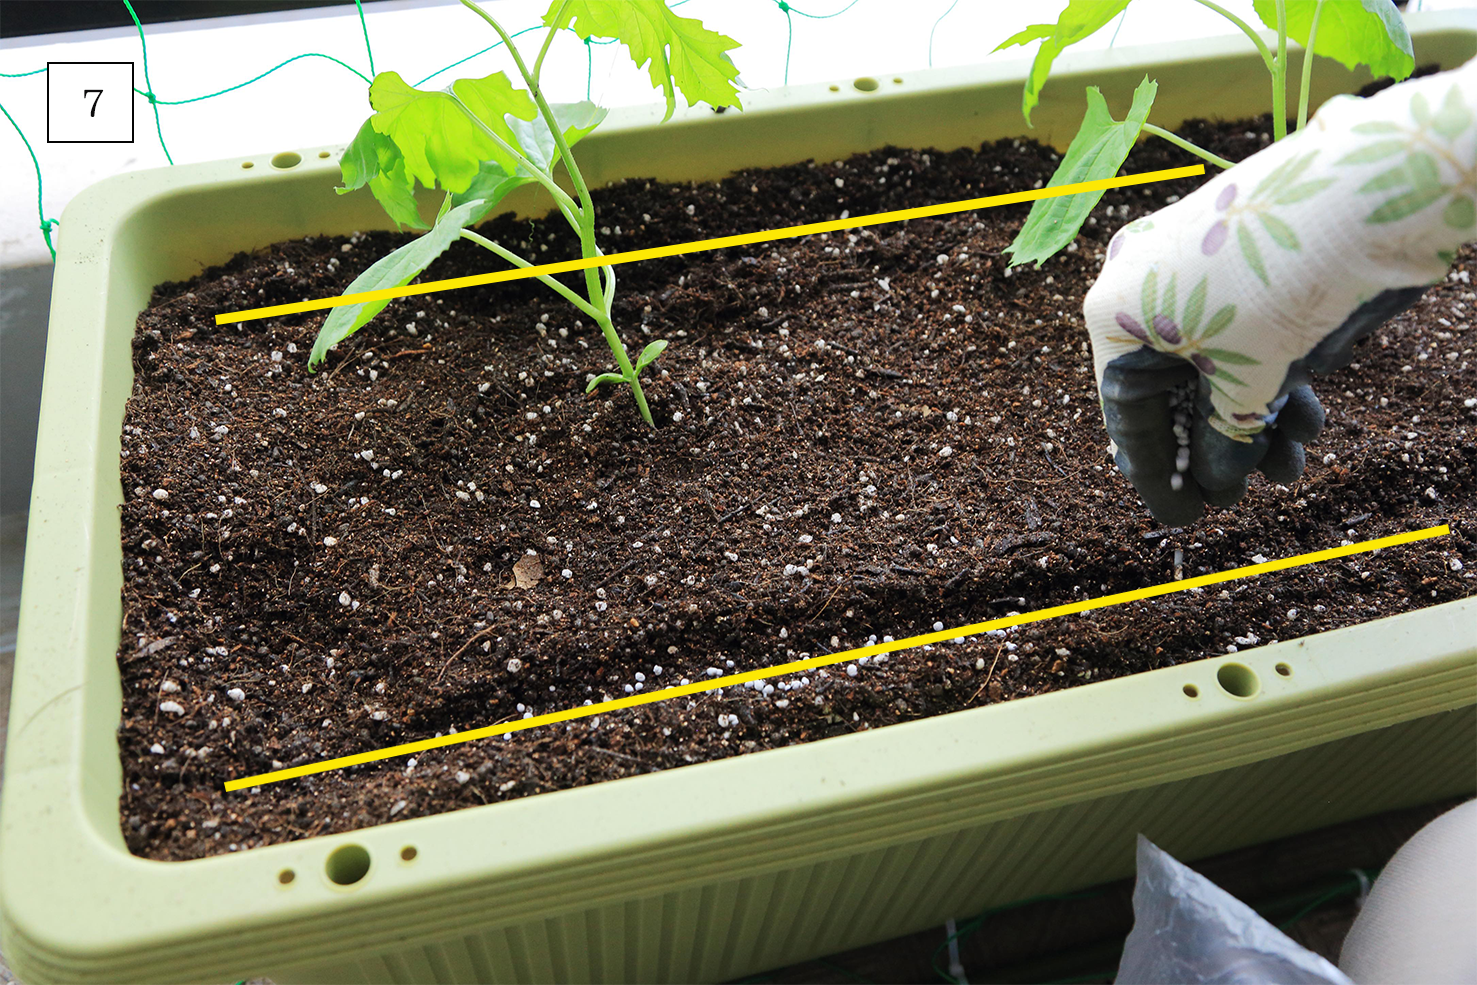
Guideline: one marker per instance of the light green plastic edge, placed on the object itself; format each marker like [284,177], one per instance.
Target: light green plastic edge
[710,871]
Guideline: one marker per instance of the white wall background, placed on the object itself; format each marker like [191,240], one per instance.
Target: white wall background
[314,101]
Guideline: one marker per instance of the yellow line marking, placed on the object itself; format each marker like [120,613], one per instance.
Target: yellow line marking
[680,690]
[697,246]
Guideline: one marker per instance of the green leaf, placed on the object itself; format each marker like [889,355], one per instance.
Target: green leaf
[1280,232]
[1453,117]
[1376,126]
[1401,206]
[1305,190]
[1351,32]
[1098,151]
[1395,177]
[1459,213]
[1369,153]
[1079,21]
[1220,321]
[604,378]
[1251,252]
[1447,257]
[392,270]
[373,159]
[493,182]
[575,120]
[1425,175]
[439,140]
[1232,357]
[649,354]
[1194,308]
[680,51]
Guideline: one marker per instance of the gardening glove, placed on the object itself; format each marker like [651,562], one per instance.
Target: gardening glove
[1211,315]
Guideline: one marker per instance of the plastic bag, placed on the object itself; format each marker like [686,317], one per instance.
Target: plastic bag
[1188,930]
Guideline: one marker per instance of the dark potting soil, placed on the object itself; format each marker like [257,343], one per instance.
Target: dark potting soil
[862,436]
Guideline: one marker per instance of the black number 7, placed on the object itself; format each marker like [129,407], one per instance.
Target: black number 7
[89,92]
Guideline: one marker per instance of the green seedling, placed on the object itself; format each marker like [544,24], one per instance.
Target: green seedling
[1352,32]
[478,139]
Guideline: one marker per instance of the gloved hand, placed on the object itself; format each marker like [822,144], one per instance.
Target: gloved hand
[1211,315]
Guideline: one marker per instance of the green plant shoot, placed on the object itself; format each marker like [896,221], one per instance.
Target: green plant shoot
[478,139]
[1352,32]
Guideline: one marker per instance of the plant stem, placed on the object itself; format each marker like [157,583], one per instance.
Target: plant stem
[1261,46]
[538,63]
[1279,76]
[1179,141]
[561,198]
[1308,66]
[518,261]
[586,228]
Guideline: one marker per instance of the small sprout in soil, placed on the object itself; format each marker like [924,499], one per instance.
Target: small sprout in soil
[479,139]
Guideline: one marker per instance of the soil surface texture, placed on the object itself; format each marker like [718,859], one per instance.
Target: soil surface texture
[861,436]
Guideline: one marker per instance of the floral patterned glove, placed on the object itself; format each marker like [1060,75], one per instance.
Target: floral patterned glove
[1210,315]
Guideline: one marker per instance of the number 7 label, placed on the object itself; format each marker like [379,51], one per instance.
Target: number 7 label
[89,103]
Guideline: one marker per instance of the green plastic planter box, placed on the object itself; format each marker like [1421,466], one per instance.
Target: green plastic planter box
[717,870]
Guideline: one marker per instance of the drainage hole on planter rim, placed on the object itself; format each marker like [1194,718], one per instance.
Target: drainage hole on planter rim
[1238,679]
[286,876]
[835,88]
[287,159]
[408,853]
[899,81]
[1191,691]
[324,154]
[247,165]
[865,84]
[1283,670]
[347,864]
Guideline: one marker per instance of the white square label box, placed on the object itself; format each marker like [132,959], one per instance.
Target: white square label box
[89,102]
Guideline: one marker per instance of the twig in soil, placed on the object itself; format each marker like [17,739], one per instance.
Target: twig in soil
[1054,464]
[410,352]
[619,755]
[828,601]
[988,674]
[477,636]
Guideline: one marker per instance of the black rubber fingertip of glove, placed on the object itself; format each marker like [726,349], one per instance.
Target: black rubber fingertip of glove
[1301,418]
[1222,465]
[1135,391]
[1285,459]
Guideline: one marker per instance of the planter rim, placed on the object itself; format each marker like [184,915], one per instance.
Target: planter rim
[1040,751]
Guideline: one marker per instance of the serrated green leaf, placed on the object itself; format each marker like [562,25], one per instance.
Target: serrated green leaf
[1375,127]
[650,354]
[604,378]
[373,159]
[361,159]
[1453,117]
[1251,252]
[1305,190]
[1351,32]
[1395,177]
[1425,175]
[1405,205]
[1194,308]
[1459,213]
[1280,232]
[395,191]
[1080,20]
[439,141]
[1220,321]
[1369,153]
[1098,151]
[681,52]
[1232,357]
[491,185]
[392,270]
